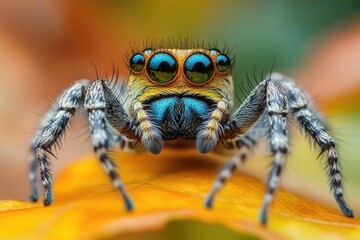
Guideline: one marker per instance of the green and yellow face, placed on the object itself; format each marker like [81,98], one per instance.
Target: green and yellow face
[198,73]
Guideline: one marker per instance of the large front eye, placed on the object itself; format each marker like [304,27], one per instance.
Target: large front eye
[162,67]
[222,63]
[198,68]
[137,62]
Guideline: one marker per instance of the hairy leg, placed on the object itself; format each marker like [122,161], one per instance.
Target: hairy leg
[208,134]
[277,110]
[52,128]
[268,98]
[244,144]
[98,97]
[314,127]
[33,173]
[147,129]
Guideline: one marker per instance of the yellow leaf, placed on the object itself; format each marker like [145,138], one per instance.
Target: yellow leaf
[165,188]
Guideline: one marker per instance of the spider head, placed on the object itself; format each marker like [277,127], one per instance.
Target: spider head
[180,87]
[180,72]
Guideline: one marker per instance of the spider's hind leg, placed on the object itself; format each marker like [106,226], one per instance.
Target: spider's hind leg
[314,127]
[33,173]
[51,129]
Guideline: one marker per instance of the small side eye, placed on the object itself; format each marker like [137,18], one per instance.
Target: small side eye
[222,63]
[137,62]
[162,67]
[214,51]
[198,68]
[148,50]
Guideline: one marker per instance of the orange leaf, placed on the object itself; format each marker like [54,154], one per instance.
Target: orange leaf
[165,188]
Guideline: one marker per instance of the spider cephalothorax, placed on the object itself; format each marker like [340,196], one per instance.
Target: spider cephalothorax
[187,94]
[179,89]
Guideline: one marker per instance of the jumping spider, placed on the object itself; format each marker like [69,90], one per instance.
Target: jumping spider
[187,95]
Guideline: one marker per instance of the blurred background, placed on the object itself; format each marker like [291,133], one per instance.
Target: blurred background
[47,45]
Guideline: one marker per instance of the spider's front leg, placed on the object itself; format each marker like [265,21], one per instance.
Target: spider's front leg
[268,98]
[208,134]
[104,108]
[243,145]
[51,129]
[241,123]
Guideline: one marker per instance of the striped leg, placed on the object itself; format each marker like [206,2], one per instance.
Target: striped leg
[244,145]
[208,134]
[50,133]
[277,109]
[33,170]
[315,126]
[149,132]
[234,163]
[119,141]
[101,136]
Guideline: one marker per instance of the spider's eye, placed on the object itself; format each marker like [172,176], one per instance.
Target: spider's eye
[198,68]
[222,63]
[214,51]
[162,67]
[148,50]
[137,62]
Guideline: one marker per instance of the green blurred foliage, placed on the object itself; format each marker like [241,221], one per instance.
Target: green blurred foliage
[259,32]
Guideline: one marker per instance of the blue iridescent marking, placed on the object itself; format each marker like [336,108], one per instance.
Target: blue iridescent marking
[159,107]
[194,105]
[187,105]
